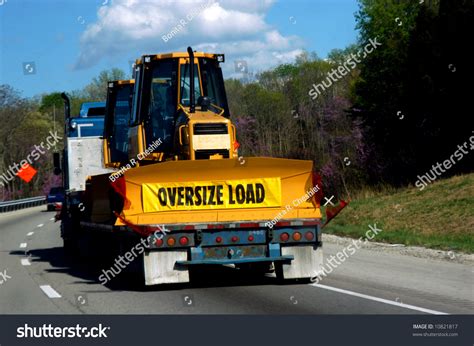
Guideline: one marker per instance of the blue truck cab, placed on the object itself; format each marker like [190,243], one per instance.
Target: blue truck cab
[90,122]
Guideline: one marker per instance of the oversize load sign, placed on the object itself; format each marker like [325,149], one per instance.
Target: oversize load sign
[248,193]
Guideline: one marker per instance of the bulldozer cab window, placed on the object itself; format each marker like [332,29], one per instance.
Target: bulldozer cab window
[118,141]
[162,105]
[213,83]
[185,85]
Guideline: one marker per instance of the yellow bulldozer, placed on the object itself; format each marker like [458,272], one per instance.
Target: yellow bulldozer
[180,195]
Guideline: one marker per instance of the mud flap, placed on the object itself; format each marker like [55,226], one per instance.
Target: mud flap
[307,263]
[160,267]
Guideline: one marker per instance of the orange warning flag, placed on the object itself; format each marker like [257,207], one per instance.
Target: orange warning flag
[26,173]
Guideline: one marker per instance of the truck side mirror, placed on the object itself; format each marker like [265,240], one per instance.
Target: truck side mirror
[57,164]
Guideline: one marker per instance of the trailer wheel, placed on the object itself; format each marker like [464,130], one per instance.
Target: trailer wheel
[256,268]
[279,271]
[70,247]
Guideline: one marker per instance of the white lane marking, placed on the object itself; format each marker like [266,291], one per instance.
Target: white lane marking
[40,225]
[30,234]
[50,292]
[25,262]
[52,219]
[380,300]
[23,245]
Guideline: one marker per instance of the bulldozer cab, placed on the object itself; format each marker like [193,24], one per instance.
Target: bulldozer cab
[171,90]
[179,117]
[117,119]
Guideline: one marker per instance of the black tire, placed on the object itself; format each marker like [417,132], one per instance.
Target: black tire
[70,247]
[255,268]
[279,271]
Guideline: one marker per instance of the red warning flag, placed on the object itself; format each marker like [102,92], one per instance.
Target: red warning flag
[26,173]
[332,211]
[119,185]
[140,229]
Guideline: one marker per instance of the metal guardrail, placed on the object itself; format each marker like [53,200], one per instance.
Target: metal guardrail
[21,203]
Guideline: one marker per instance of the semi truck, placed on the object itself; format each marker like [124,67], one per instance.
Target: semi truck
[172,146]
[79,158]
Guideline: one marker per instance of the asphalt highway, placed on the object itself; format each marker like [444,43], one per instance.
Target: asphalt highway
[37,278]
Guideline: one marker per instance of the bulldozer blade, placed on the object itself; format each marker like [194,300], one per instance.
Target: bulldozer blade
[254,188]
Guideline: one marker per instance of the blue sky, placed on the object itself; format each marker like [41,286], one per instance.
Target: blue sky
[68,42]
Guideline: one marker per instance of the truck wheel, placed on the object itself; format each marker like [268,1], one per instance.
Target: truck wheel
[70,247]
[279,271]
[256,268]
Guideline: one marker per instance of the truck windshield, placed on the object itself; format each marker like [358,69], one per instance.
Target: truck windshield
[213,83]
[162,105]
[184,84]
[96,112]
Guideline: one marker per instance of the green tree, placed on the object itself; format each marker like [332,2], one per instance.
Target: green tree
[97,89]
[379,90]
[50,101]
[406,91]
[52,105]
[276,117]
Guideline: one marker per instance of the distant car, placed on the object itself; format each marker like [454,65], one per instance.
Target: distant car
[55,198]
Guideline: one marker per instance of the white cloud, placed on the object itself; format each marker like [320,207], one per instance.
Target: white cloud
[232,27]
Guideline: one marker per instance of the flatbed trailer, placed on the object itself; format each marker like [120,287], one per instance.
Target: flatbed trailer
[169,251]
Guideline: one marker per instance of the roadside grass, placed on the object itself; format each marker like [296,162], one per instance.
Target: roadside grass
[439,217]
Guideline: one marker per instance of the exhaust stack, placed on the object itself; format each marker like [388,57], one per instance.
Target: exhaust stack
[67,106]
[192,106]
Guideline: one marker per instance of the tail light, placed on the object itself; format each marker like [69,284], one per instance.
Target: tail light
[284,236]
[159,242]
[297,236]
[234,239]
[250,238]
[184,241]
[309,236]
[218,240]
[170,241]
